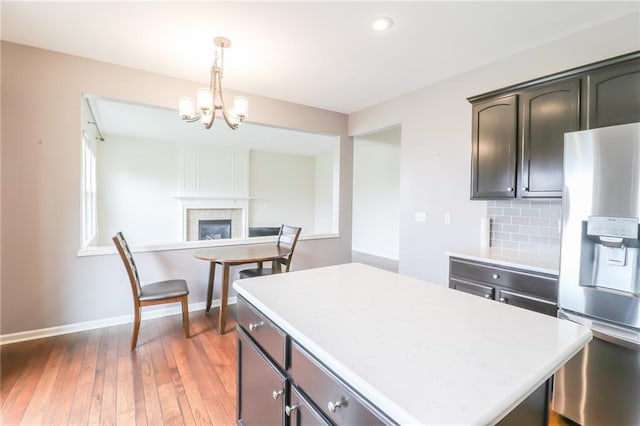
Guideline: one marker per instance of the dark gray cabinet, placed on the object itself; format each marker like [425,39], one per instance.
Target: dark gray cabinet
[280,383]
[518,132]
[548,112]
[493,163]
[261,386]
[613,95]
[532,291]
[301,411]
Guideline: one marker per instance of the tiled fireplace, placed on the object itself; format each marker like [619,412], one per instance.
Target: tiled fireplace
[208,223]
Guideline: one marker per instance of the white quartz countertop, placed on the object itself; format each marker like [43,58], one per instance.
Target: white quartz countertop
[536,262]
[422,353]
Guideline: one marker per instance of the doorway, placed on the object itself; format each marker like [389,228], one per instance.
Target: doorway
[376,198]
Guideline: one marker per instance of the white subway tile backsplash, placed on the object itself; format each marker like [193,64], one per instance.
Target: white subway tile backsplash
[509,211]
[526,225]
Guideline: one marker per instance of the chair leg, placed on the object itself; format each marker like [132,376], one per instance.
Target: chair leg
[185,316]
[136,327]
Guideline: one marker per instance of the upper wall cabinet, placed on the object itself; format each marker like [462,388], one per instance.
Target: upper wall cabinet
[548,112]
[494,148]
[613,95]
[518,132]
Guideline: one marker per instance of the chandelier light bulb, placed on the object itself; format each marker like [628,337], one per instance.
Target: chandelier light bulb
[186,108]
[205,100]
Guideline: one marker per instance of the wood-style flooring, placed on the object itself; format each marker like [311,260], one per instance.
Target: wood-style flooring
[93,377]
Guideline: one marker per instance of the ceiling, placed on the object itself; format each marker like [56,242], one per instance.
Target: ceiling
[321,54]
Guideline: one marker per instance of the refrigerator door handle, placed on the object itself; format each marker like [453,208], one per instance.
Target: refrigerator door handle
[603,331]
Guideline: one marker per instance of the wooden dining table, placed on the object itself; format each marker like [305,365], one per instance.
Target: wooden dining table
[230,256]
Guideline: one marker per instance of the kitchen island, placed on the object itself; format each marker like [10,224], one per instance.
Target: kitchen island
[409,351]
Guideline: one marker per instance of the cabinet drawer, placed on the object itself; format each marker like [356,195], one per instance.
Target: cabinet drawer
[272,340]
[338,403]
[472,288]
[545,287]
[527,302]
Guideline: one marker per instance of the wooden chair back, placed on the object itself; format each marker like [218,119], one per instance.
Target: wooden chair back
[288,237]
[129,264]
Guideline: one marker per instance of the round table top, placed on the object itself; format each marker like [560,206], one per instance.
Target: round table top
[242,254]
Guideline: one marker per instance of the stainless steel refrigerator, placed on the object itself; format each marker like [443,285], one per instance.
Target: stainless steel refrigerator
[599,283]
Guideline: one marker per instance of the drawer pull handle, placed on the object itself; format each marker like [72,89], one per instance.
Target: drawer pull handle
[503,300]
[510,188]
[333,406]
[255,326]
[487,296]
[290,409]
[495,276]
[276,394]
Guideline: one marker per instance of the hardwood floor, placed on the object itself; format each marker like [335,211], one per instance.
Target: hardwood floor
[94,378]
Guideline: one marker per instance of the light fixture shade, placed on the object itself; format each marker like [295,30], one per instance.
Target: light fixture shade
[241,107]
[186,110]
[205,100]
[207,118]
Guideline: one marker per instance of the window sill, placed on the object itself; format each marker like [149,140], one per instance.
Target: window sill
[190,245]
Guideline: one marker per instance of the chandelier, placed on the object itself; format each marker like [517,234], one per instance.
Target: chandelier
[209,101]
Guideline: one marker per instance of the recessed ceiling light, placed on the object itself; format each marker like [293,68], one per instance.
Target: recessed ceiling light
[382,24]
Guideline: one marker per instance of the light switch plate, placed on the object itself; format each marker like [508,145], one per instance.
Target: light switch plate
[421,216]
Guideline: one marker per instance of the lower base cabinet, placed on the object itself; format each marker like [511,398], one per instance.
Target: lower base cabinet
[261,385]
[301,411]
[280,383]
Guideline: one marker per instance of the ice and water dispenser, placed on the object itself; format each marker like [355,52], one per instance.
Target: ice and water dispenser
[609,255]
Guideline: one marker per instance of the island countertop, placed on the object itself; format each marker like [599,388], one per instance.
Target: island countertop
[421,353]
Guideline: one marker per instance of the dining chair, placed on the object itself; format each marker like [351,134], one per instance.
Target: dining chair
[151,294]
[287,237]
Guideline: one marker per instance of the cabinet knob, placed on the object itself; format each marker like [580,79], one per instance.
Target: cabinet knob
[495,276]
[487,296]
[524,188]
[276,394]
[255,326]
[510,188]
[502,300]
[333,406]
[290,409]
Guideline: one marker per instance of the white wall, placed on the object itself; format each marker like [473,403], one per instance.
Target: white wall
[283,186]
[138,180]
[324,170]
[436,141]
[44,283]
[376,198]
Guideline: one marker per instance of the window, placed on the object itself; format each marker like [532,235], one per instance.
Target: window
[89,205]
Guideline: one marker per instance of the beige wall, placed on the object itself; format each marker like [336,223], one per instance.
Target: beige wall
[44,283]
[436,141]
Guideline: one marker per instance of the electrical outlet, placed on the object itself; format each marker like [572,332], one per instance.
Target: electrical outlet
[421,216]
[447,218]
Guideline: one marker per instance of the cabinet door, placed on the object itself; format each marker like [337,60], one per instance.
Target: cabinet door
[614,95]
[527,302]
[493,156]
[301,411]
[548,112]
[261,387]
[472,288]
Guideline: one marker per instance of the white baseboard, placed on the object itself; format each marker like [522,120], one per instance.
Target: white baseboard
[22,336]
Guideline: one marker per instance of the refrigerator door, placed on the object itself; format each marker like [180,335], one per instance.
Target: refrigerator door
[601,384]
[600,252]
